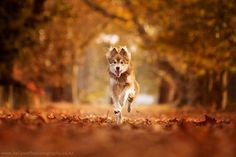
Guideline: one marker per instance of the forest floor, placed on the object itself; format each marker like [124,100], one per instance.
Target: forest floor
[90,131]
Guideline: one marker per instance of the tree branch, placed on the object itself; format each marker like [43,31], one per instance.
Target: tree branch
[140,28]
[103,11]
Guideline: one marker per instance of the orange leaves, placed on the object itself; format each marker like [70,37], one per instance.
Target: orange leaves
[87,130]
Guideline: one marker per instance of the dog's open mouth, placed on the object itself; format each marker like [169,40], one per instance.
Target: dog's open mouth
[118,73]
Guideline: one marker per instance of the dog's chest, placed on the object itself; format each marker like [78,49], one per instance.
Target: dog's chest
[118,84]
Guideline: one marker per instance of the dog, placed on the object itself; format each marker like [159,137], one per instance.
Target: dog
[124,87]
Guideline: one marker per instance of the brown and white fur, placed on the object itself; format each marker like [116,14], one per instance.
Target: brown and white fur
[124,87]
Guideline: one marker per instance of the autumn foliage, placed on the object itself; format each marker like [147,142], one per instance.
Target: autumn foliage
[87,131]
[54,84]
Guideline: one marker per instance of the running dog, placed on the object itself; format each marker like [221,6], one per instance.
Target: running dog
[124,87]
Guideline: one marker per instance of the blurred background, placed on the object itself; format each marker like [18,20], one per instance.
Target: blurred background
[54,50]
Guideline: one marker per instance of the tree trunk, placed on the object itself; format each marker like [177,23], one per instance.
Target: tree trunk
[163,92]
[224,101]
[1,96]
[167,91]
[74,83]
[178,80]
[232,88]
[215,89]
[10,102]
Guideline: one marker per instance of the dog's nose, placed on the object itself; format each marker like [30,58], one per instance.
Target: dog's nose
[117,68]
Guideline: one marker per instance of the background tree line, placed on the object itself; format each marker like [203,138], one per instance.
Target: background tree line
[183,49]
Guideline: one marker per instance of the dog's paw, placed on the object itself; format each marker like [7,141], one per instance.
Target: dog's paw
[119,121]
[130,98]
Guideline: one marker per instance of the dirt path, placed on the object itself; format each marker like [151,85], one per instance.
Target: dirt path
[87,131]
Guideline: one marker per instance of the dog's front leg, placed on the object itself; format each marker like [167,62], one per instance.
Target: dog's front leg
[117,109]
[127,96]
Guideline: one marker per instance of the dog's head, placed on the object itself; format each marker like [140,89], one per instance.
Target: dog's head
[119,60]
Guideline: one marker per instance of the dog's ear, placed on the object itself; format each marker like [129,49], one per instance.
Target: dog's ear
[112,51]
[124,52]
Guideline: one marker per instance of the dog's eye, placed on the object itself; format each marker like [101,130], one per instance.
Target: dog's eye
[114,62]
[121,62]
